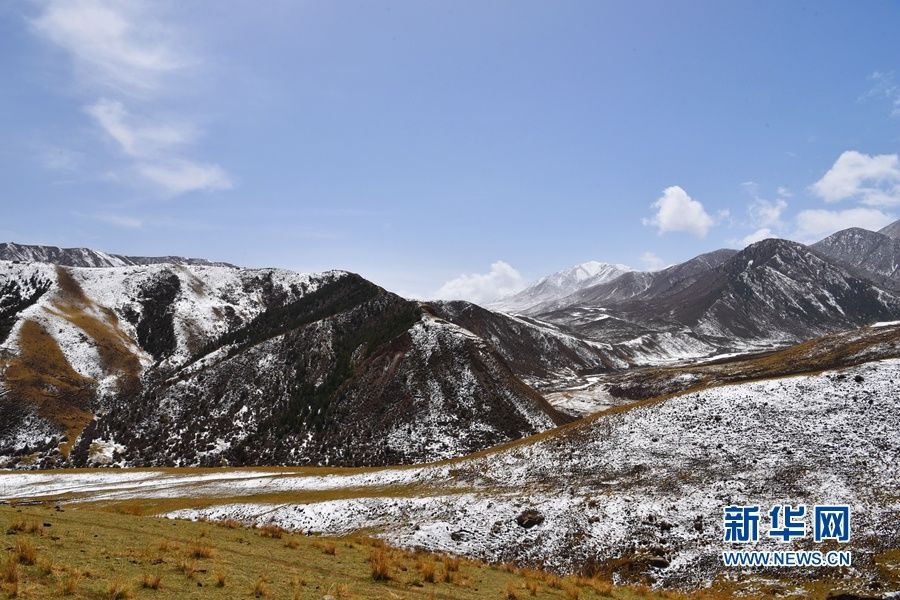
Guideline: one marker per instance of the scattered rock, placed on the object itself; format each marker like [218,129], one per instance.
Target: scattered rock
[529,518]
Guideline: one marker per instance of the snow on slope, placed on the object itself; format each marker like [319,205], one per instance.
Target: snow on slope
[205,302]
[646,484]
[560,284]
[651,482]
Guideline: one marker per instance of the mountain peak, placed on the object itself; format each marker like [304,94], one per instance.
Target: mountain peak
[86,257]
[892,230]
[562,283]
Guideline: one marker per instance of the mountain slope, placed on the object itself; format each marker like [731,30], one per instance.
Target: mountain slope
[560,284]
[892,230]
[85,257]
[876,254]
[189,364]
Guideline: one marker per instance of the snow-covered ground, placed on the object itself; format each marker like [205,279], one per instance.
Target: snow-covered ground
[652,480]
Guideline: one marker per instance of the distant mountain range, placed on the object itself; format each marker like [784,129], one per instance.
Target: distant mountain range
[85,257]
[108,359]
[560,284]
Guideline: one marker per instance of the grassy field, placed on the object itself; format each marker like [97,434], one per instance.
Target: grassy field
[83,553]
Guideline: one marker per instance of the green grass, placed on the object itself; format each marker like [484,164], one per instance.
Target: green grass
[82,553]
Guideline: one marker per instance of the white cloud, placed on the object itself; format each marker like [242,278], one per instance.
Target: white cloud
[873,180]
[135,137]
[183,176]
[123,48]
[815,224]
[784,192]
[115,45]
[120,221]
[766,213]
[651,261]
[760,234]
[884,85]
[676,211]
[500,281]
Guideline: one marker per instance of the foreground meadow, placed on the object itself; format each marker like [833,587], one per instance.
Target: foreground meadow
[83,553]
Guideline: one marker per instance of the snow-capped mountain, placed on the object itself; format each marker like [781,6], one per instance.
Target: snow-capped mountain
[876,254]
[85,257]
[772,293]
[892,230]
[560,284]
[189,364]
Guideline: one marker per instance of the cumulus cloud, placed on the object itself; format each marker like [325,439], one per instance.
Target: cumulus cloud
[766,213]
[873,180]
[760,234]
[815,224]
[651,261]
[501,280]
[676,211]
[119,46]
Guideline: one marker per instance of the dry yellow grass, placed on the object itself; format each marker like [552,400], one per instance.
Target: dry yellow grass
[151,582]
[25,551]
[381,565]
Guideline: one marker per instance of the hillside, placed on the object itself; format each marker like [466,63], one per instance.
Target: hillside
[196,364]
[634,494]
[141,557]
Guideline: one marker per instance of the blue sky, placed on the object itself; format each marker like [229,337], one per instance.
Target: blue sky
[417,142]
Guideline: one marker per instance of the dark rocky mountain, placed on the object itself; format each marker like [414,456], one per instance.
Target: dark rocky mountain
[85,257]
[201,365]
[771,293]
[198,364]
[892,230]
[876,254]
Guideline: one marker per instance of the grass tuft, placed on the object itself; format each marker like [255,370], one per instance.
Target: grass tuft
[150,582]
[261,589]
[201,551]
[10,569]
[381,565]
[25,551]
[271,531]
[118,591]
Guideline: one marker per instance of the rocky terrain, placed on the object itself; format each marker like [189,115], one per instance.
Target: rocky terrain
[635,493]
[183,364]
[559,284]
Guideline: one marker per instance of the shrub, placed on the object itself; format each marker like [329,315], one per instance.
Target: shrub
[220,579]
[451,563]
[10,569]
[291,543]
[150,582]
[271,531]
[188,567]
[381,565]
[23,526]
[329,547]
[428,572]
[261,588]
[118,591]
[532,587]
[511,592]
[201,551]
[69,584]
[25,551]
